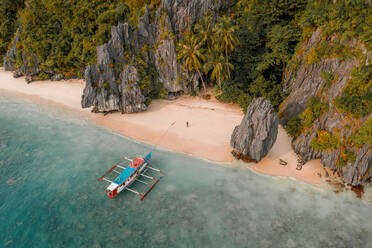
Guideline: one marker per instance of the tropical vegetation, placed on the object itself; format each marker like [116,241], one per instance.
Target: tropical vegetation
[209,44]
[243,51]
[8,23]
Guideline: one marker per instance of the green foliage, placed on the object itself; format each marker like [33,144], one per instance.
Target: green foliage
[214,42]
[158,92]
[149,76]
[63,35]
[268,33]
[224,35]
[313,110]
[294,127]
[191,54]
[364,134]
[325,141]
[328,78]
[346,156]
[204,31]
[348,19]
[232,93]
[138,7]
[43,76]
[330,49]
[218,66]
[106,85]
[8,23]
[356,98]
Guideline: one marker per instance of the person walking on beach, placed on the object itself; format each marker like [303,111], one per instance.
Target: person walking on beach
[187,124]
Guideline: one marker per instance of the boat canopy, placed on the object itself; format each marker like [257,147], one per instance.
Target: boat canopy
[124,175]
[112,187]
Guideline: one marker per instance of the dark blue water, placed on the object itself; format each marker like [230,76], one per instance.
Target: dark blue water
[50,197]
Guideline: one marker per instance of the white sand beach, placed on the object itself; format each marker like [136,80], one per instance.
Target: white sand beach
[164,124]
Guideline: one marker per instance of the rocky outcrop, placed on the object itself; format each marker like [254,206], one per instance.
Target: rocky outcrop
[10,56]
[28,67]
[150,49]
[306,82]
[183,13]
[132,98]
[114,84]
[257,133]
[359,170]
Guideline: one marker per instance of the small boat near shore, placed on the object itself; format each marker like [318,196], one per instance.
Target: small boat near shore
[134,172]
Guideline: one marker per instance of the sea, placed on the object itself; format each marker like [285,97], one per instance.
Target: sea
[51,158]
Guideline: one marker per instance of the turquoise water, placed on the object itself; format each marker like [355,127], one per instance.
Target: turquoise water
[50,197]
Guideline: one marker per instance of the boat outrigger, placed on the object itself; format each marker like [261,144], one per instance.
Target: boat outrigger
[135,171]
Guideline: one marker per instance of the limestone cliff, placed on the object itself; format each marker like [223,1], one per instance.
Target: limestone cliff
[27,68]
[325,131]
[150,49]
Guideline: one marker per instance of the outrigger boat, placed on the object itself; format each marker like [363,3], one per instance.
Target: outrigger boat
[135,171]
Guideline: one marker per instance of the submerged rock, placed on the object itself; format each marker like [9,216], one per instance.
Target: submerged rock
[257,133]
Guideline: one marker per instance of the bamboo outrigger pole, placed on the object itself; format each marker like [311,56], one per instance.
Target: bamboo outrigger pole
[156,170]
[133,191]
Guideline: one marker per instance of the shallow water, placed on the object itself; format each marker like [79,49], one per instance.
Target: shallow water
[50,197]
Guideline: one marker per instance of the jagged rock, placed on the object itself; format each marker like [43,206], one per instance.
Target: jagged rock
[10,56]
[326,174]
[29,79]
[183,13]
[113,84]
[148,44]
[132,98]
[172,96]
[30,64]
[358,172]
[257,133]
[166,57]
[17,74]
[307,82]
[57,77]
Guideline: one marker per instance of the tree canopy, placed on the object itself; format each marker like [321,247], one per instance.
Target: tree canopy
[268,33]
[8,23]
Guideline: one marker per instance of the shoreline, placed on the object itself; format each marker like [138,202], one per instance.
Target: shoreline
[164,125]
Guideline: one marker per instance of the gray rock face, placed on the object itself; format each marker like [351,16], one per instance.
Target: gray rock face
[307,82]
[10,57]
[186,12]
[257,133]
[28,68]
[152,44]
[113,84]
[132,98]
[359,170]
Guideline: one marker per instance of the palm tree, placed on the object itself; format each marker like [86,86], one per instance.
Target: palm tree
[219,67]
[225,33]
[204,31]
[190,53]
